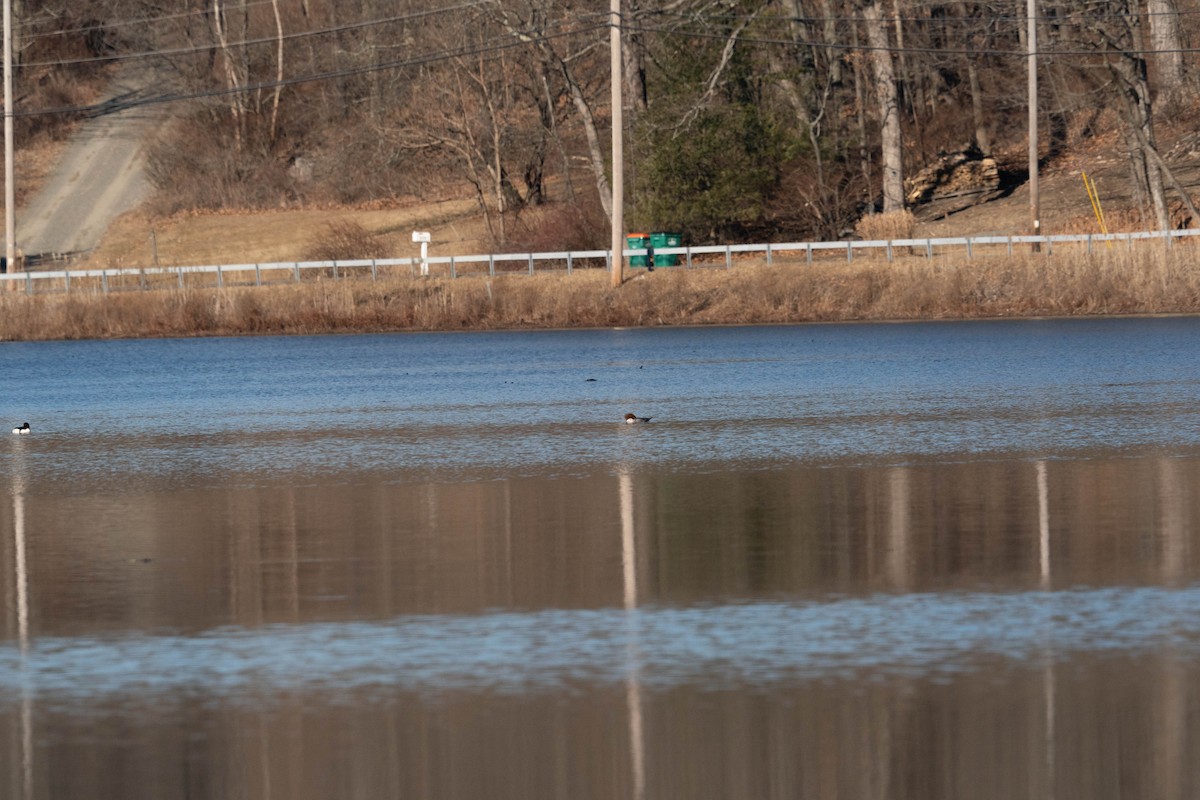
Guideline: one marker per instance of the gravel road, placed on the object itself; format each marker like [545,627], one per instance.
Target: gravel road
[100,177]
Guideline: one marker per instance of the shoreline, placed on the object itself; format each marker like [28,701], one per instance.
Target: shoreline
[1149,283]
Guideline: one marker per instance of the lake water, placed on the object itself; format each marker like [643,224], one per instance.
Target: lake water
[843,561]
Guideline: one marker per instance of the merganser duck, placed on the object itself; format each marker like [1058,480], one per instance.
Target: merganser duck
[632,418]
[22,428]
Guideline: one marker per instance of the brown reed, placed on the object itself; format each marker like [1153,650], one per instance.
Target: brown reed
[886,225]
[1148,280]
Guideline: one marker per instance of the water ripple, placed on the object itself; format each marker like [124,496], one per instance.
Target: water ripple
[660,647]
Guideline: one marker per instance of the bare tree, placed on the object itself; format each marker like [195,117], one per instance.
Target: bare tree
[1116,36]
[278,70]
[891,145]
[230,67]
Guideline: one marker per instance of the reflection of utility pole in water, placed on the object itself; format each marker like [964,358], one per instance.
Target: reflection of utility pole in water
[293,557]
[1048,668]
[1170,750]
[508,545]
[898,561]
[1174,550]
[1043,526]
[633,686]
[22,575]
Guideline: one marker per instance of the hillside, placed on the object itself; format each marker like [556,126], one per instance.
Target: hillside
[295,133]
[458,228]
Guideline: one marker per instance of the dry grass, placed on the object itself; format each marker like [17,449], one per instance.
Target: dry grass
[344,239]
[888,226]
[1144,281]
[239,237]
[33,165]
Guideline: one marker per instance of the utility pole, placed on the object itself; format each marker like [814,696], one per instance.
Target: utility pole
[10,194]
[618,148]
[1031,41]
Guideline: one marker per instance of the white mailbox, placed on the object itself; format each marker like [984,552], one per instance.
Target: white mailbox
[423,238]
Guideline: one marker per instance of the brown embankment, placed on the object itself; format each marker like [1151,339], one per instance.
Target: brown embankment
[1146,281]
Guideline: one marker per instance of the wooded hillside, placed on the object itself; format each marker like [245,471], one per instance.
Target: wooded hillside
[744,118]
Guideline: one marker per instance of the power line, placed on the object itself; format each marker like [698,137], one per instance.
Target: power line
[273,40]
[492,48]
[965,51]
[204,48]
[497,46]
[124,23]
[944,20]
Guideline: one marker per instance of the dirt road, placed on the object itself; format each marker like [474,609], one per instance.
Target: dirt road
[100,177]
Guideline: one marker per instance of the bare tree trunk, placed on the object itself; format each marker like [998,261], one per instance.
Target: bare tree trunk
[889,110]
[860,104]
[231,74]
[1152,156]
[490,155]
[1166,40]
[535,161]
[1158,195]
[1137,178]
[1146,172]
[914,96]
[595,150]
[829,10]
[796,95]
[18,14]
[460,138]
[804,115]
[552,127]
[634,66]
[983,138]
[1129,70]
[278,69]
[497,167]
[244,56]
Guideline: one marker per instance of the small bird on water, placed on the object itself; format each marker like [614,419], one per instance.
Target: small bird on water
[22,428]
[632,418]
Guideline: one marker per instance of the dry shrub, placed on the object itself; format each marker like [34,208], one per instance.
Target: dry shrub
[56,91]
[195,164]
[343,240]
[812,205]
[580,225]
[886,226]
[356,166]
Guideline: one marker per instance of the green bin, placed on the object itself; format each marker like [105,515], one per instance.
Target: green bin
[637,241]
[658,240]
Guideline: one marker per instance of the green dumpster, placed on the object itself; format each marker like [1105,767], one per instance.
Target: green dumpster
[658,240]
[637,241]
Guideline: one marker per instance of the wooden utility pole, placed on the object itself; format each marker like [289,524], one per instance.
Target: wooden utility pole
[618,149]
[1031,41]
[10,194]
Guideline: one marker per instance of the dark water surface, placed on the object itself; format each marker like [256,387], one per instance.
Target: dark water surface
[846,561]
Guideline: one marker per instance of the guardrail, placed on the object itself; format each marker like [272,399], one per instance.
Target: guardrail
[219,275]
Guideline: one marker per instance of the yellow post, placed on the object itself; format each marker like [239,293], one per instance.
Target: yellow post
[1094,196]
